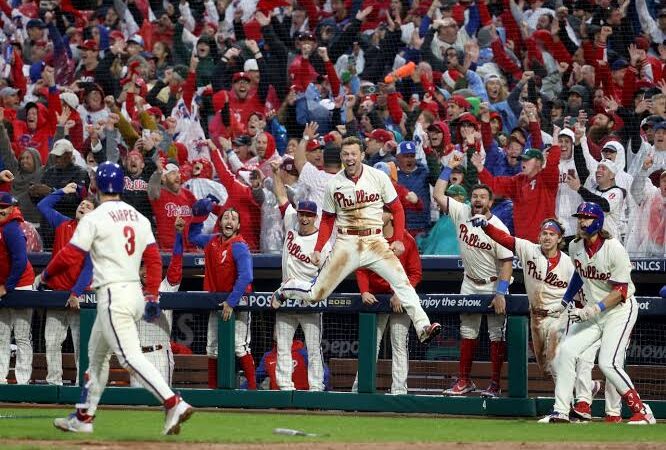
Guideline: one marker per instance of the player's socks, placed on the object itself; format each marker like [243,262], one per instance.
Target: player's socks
[212,373]
[633,401]
[247,364]
[497,353]
[467,348]
[171,401]
[83,415]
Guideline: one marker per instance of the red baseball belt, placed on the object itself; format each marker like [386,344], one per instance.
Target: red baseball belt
[362,232]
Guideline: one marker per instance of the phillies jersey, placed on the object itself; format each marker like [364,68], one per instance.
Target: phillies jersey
[297,250]
[359,205]
[481,255]
[166,208]
[544,288]
[609,266]
[615,196]
[116,236]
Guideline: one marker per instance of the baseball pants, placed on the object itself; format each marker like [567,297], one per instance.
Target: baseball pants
[583,385]
[55,333]
[611,329]
[155,338]
[242,334]
[350,253]
[285,327]
[399,329]
[119,307]
[19,320]
[471,323]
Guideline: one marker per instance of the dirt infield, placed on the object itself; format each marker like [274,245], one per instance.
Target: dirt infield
[88,445]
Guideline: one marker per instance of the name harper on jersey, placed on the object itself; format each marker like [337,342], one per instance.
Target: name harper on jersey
[124,215]
[472,239]
[590,272]
[294,249]
[345,201]
[551,277]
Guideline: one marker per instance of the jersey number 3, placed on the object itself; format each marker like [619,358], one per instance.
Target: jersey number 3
[130,245]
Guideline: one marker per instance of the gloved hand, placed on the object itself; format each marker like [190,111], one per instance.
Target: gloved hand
[38,284]
[555,310]
[152,309]
[479,220]
[584,314]
[213,198]
[202,208]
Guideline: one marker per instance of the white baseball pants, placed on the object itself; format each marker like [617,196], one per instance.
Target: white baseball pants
[55,333]
[119,307]
[350,253]
[155,338]
[471,323]
[399,330]
[584,384]
[242,334]
[19,320]
[285,328]
[611,329]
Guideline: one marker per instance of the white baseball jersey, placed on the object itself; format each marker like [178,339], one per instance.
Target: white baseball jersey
[544,288]
[297,250]
[116,236]
[613,219]
[481,255]
[359,205]
[312,184]
[608,266]
[567,199]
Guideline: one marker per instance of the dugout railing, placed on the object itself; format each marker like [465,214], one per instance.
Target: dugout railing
[516,401]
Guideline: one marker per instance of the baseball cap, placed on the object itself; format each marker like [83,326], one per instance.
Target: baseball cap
[610,165]
[406,148]
[61,147]
[460,101]
[619,64]
[171,168]
[70,99]
[306,36]
[455,190]
[89,44]
[117,35]
[578,89]
[135,39]
[243,140]
[532,153]
[439,127]
[241,76]
[659,126]
[7,91]
[568,133]
[35,23]
[250,64]
[289,166]
[313,145]
[613,146]
[307,207]
[6,199]
[651,121]
[380,135]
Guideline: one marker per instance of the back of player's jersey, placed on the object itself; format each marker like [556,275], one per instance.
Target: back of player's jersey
[116,236]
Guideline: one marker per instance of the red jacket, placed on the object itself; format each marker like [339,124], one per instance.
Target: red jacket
[220,273]
[166,208]
[15,269]
[533,198]
[63,234]
[299,375]
[369,281]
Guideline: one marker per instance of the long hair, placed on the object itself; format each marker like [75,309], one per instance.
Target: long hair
[604,234]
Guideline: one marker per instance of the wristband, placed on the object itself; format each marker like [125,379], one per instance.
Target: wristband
[445,174]
[502,287]
[306,138]
[601,306]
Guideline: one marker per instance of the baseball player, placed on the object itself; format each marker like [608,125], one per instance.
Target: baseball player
[603,271]
[301,236]
[117,237]
[488,268]
[353,203]
[228,268]
[73,280]
[15,273]
[370,283]
[155,336]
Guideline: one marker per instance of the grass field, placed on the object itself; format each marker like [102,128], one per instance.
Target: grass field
[236,427]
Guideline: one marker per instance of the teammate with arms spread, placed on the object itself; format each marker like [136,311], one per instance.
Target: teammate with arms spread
[603,271]
[488,268]
[117,237]
[354,203]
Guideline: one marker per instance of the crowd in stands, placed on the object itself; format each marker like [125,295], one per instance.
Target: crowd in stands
[549,102]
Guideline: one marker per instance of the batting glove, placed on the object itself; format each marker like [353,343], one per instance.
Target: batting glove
[479,220]
[152,309]
[555,311]
[584,314]
[203,207]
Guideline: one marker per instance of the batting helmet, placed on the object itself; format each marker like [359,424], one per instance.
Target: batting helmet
[110,178]
[592,211]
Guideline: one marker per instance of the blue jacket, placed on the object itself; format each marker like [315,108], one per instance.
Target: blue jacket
[417,182]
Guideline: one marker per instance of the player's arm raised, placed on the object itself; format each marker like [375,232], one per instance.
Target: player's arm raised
[500,236]
[439,192]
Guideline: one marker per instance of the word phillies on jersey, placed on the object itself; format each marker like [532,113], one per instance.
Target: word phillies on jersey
[124,215]
[294,249]
[590,272]
[472,239]
[173,210]
[135,185]
[551,277]
[361,197]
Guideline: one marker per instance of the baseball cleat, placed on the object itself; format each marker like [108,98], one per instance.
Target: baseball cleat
[177,415]
[430,332]
[581,411]
[643,418]
[597,387]
[73,424]
[613,419]
[555,418]
[461,387]
[492,391]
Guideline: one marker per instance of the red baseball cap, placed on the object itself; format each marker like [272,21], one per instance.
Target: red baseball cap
[117,35]
[380,135]
[89,44]
[241,76]
[313,145]
[460,101]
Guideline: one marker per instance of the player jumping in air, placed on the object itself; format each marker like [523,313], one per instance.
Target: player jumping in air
[117,237]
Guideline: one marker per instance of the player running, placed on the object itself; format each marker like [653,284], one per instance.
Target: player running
[603,271]
[117,237]
[354,203]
